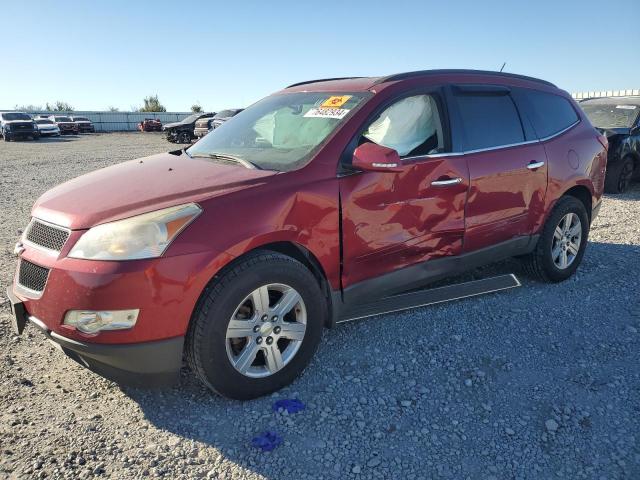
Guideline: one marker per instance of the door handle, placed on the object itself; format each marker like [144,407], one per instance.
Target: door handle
[534,165]
[446,182]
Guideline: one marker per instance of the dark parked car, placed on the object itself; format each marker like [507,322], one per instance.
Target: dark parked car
[182,131]
[619,119]
[150,125]
[205,125]
[322,203]
[84,124]
[66,125]
[15,125]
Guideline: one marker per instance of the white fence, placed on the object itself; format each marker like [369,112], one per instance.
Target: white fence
[605,93]
[119,121]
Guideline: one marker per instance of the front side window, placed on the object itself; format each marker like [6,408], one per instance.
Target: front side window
[549,114]
[411,126]
[280,132]
[489,121]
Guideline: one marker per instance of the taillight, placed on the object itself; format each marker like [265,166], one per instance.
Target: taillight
[603,140]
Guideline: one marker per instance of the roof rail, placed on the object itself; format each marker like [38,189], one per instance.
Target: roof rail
[320,80]
[422,73]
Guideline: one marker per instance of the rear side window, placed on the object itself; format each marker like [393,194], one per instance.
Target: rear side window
[489,120]
[548,113]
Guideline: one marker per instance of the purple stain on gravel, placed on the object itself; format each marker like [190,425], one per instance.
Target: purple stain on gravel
[291,405]
[267,441]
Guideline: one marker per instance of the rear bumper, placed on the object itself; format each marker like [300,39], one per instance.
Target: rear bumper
[148,364]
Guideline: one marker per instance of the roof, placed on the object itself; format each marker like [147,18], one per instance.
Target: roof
[365,83]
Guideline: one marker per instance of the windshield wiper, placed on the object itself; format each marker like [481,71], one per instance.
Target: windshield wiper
[218,156]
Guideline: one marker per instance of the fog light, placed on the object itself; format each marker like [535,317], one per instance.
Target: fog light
[89,321]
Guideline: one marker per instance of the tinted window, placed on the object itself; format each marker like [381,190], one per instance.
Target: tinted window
[489,120]
[548,113]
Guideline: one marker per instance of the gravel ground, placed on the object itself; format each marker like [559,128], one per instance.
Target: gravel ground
[537,382]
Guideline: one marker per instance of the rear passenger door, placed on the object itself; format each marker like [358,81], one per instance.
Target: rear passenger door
[507,165]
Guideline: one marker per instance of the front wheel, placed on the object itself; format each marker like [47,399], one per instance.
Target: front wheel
[6,137]
[562,242]
[184,137]
[256,326]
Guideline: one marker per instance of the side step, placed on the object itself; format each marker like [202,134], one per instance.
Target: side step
[430,296]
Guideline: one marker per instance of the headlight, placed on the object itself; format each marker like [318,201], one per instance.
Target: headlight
[7,126]
[143,236]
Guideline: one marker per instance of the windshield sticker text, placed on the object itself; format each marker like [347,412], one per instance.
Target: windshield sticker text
[626,107]
[326,113]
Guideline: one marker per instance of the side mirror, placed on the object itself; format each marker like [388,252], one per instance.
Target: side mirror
[371,157]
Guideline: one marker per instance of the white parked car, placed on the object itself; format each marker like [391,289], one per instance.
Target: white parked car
[47,127]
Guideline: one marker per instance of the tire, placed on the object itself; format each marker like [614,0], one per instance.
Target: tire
[36,136]
[184,137]
[542,263]
[619,176]
[210,353]
[7,137]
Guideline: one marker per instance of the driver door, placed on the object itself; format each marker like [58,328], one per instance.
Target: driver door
[392,220]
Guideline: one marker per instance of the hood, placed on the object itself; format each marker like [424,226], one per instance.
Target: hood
[141,186]
[612,132]
[14,122]
[174,124]
[47,126]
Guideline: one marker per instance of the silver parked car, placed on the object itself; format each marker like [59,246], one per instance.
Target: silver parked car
[47,128]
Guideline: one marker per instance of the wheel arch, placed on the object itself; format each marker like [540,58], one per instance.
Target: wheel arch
[582,193]
[290,249]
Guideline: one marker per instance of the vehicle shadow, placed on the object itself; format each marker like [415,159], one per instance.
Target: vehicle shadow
[60,139]
[192,412]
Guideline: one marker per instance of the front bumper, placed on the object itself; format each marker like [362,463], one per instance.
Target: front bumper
[86,129]
[147,364]
[49,133]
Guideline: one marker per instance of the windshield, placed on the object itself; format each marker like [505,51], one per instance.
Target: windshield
[611,115]
[279,132]
[15,116]
[63,119]
[191,118]
[80,119]
[41,121]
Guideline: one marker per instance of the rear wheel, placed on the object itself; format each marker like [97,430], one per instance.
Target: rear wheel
[619,176]
[256,327]
[562,242]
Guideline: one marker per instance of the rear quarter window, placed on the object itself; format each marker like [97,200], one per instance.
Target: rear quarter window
[548,113]
[488,121]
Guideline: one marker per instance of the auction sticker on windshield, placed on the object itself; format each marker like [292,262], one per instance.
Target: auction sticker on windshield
[626,107]
[335,101]
[326,113]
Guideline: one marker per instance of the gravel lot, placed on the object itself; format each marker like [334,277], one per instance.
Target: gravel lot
[537,382]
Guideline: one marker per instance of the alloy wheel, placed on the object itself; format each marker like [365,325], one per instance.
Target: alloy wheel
[266,330]
[567,238]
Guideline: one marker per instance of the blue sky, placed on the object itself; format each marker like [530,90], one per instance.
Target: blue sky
[229,54]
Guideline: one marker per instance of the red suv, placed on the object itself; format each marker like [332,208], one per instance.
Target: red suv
[321,203]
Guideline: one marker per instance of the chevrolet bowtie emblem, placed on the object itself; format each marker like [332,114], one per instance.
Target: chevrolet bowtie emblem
[18,249]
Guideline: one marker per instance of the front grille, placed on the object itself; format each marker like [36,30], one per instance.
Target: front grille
[32,276]
[47,236]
